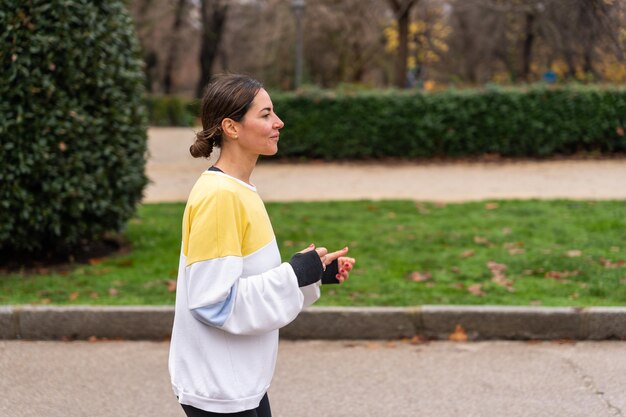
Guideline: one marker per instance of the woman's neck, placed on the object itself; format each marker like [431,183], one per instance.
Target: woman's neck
[237,166]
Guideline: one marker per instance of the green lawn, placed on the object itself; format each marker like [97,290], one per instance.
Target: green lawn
[500,252]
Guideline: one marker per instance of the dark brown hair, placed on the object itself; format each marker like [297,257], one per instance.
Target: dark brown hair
[226,96]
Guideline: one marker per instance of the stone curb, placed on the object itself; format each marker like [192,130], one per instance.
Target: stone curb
[432,322]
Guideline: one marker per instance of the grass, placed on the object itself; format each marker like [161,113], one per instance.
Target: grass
[552,253]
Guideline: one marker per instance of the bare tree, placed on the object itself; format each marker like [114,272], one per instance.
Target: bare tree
[402,12]
[213,17]
[174,46]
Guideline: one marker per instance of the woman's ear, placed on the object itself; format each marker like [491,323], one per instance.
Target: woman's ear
[229,128]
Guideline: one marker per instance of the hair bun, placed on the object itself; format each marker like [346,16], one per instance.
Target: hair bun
[203,146]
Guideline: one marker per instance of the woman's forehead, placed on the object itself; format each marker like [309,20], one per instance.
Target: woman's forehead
[262,100]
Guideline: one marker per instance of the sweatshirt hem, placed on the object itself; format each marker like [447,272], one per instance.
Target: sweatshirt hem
[217,405]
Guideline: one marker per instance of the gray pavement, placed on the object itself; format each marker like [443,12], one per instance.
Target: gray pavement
[173,172]
[334,379]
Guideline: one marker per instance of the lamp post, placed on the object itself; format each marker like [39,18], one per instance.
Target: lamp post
[298,7]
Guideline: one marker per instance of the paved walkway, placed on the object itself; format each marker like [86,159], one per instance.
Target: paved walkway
[173,172]
[329,379]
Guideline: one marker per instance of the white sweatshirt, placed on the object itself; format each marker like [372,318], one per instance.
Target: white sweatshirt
[232,296]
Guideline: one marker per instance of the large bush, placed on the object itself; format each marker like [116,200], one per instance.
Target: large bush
[72,123]
[518,122]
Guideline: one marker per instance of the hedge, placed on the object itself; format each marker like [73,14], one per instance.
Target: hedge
[536,121]
[72,124]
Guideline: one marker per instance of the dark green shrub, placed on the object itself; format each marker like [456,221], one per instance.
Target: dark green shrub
[171,111]
[72,123]
[514,122]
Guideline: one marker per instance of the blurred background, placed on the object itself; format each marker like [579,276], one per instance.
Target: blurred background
[368,44]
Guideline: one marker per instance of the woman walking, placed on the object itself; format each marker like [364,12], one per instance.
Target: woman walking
[233,292]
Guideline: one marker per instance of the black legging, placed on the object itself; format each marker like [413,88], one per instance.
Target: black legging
[263,410]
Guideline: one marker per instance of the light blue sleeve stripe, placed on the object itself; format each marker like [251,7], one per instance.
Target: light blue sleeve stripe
[216,314]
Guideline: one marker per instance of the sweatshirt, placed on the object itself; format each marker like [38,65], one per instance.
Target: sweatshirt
[232,295]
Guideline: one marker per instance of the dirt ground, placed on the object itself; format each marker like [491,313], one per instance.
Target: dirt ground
[173,172]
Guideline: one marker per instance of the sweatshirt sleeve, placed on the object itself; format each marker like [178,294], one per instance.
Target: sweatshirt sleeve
[219,292]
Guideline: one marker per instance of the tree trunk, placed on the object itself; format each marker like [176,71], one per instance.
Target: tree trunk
[213,16]
[402,11]
[528,47]
[172,54]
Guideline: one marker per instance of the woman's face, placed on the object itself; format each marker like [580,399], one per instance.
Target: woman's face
[258,130]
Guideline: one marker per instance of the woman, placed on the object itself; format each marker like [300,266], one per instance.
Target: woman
[233,292]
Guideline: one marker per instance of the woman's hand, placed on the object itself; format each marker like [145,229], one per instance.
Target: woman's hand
[344,264]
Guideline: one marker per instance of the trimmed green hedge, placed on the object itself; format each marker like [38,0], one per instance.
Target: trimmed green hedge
[533,122]
[72,123]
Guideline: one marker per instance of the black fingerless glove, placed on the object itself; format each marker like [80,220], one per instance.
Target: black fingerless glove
[330,275]
[307,266]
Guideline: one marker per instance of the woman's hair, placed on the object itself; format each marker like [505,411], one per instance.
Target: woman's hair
[226,96]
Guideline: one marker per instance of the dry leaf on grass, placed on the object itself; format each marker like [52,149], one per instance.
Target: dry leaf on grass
[420,276]
[479,240]
[561,274]
[113,292]
[491,206]
[73,296]
[574,253]
[467,253]
[498,276]
[171,285]
[476,289]
[607,263]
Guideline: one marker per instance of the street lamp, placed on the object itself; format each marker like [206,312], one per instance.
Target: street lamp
[298,7]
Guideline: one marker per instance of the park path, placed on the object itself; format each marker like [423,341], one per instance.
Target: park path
[330,379]
[173,172]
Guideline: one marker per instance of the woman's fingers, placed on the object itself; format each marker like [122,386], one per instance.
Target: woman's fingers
[335,255]
[345,266]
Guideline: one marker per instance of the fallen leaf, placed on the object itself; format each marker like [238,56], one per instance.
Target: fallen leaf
[126,262]
[536,303]
[459,334]
[558,275]
[607,263]
[95,261]
[514,248]
[573,296]
[45,301]
[479,240]
[619,130]
[171,285]
[506,231]
[467,253]
[93,294]
[573,253]
[372,345]
[418,340]
[420,276]
[476,289]
[422,208]
[390,345]
[73,296]
[491,206]
[498,277]
[455,269]
[113,292]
